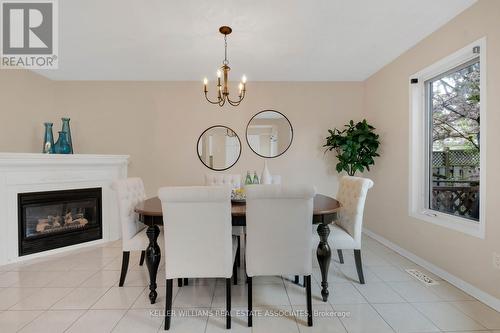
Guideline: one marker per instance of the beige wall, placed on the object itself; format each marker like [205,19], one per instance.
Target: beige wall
[22,130]
[158,124]
[386,105]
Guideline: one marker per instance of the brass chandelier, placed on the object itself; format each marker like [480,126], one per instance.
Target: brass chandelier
[223,87]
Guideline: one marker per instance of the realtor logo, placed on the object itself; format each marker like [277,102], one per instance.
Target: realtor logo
[29,34]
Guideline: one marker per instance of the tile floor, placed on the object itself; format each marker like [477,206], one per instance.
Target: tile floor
[78,292]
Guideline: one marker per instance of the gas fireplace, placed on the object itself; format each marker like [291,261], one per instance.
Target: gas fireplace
[54,219]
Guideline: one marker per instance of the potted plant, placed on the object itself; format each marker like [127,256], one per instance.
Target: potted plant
[355,146]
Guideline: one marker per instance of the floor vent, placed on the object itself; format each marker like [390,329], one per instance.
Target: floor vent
[421,277]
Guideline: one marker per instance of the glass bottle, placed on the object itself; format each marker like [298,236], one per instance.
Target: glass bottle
[248,179]
[62,145]
[255,178]
[67,129]
[48,140]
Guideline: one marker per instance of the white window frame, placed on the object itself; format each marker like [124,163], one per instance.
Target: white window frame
[419,148]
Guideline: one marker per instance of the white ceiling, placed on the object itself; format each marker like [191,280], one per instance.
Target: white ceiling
[273,40]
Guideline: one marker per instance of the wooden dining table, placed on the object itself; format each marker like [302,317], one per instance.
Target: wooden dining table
[150,213]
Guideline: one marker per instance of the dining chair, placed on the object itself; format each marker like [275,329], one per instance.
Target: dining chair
[279,236]
[214,179]
[129,193]
[346,232]
[233,180]
[198,240]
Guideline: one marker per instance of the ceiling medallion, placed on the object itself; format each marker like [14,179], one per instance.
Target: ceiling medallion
[223,88]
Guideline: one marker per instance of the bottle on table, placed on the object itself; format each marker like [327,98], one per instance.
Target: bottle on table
[248,179]
[255,178]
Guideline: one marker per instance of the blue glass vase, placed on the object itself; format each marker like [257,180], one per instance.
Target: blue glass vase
[48,140]
[67,129]
[62,144]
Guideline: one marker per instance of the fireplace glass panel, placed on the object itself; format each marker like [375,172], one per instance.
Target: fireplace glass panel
[53,218]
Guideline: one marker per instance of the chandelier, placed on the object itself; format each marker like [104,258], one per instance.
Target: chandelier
[223,87]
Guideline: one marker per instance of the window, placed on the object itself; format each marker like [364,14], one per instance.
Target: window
[447,143]
[453,106]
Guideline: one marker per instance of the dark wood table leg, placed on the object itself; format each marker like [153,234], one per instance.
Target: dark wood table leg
[153,256]
[324,254]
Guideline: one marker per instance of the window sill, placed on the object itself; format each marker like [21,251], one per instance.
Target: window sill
[472,228]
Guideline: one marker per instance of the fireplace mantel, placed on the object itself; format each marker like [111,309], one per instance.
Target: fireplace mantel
[27,159]
[24,173]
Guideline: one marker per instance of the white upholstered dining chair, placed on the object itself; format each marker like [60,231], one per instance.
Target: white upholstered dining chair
[214,179]
[234,181]
[276,179]
[279,235]
[129,193]
[346,232]
[198,240]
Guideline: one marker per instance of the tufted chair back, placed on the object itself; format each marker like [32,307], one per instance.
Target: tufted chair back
[129,193]
[223,179]
[352,195]
[279,229]
[276,179]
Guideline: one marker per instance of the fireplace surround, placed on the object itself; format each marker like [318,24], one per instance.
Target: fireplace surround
[53,219]
[33,173]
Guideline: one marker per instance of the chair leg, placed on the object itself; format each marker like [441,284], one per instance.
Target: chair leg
[168,304]
[307,282]
[179,283]
[297,281]
[238,253]
[341,256]
[249,281]
[359,266]
[228,303]
[143,255]
[235,273]
[125,258]
[186,281]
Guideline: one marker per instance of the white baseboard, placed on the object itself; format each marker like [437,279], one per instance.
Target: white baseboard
[475,292]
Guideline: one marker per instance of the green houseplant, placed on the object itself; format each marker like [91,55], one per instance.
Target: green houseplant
[355,146]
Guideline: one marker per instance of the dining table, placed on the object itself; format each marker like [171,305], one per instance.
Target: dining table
[150,213]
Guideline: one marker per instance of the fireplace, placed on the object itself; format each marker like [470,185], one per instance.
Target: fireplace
[54,219]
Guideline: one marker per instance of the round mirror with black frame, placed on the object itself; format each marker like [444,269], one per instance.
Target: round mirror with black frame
[219,148]
[269,133]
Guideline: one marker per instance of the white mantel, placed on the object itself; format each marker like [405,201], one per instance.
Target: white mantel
[22,173]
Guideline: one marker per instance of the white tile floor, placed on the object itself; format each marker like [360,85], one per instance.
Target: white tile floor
[78,292]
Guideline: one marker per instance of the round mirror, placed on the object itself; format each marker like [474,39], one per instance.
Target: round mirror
[269,133]
[219,148]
